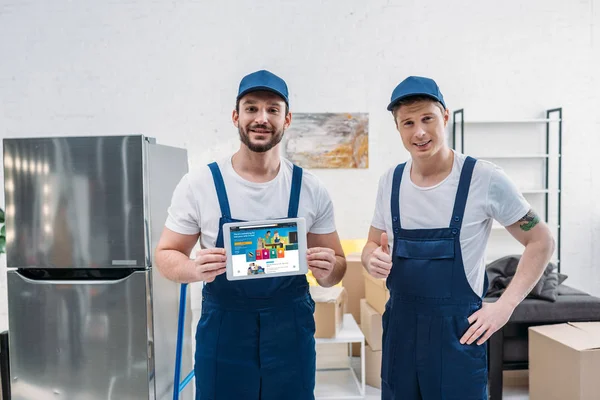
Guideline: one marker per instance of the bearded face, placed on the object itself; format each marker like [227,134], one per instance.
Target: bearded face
[261,118]
[260,137]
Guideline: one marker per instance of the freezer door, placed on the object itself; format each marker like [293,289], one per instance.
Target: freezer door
[78,340]
[75,202]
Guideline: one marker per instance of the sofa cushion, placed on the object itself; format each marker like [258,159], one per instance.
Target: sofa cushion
[564,290]
[501,272]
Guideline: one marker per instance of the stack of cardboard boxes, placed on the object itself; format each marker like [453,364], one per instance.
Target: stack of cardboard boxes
[366,301]
[354,284]
[330,304]
[370,322]
[371,311]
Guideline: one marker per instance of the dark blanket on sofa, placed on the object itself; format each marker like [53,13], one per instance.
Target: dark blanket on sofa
[501,272]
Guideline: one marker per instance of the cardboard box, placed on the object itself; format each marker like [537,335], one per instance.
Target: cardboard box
[329,310]
[354,282]
[373,367]
[564,361]
[371,325]
[376,292]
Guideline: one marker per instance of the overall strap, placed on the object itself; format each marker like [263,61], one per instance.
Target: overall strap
[221,192]
[295,192]
[462,193]
[395,202]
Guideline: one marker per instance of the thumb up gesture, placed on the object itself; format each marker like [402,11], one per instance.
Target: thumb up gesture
[380,262]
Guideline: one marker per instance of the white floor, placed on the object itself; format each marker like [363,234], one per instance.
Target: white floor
[335,385]
[509,393]
[515,393]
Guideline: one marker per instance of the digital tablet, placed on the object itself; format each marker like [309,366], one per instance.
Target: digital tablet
[265,249]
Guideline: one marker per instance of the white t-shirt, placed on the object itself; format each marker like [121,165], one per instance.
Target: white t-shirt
[195,206]
[492,196]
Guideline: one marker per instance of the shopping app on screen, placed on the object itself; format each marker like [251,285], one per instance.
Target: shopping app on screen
[265,249]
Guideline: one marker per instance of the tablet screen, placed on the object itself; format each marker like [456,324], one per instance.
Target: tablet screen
[264,249]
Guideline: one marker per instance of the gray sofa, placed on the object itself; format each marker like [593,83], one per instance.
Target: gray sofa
[508,348]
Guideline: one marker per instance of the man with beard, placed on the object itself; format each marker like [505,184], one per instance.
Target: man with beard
[255,339]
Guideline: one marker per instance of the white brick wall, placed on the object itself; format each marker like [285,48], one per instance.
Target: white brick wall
[170,69]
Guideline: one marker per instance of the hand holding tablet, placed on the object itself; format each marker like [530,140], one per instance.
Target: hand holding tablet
[210,263]
[265,249]
[321,261]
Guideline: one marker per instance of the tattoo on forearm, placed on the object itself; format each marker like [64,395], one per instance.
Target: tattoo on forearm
[530,220]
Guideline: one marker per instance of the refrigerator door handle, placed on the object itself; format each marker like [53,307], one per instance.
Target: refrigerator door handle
[88,281]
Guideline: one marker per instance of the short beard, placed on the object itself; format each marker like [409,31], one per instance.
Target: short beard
[260,148]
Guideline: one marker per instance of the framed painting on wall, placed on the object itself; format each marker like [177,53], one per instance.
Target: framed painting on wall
[328,140]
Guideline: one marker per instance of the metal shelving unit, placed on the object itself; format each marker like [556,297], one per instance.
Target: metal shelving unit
[553,116]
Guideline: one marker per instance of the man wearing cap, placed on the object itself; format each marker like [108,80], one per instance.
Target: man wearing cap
[428,235]
[255,339]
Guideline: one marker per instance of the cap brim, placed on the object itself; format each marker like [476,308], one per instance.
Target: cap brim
[391,106]
[262,88]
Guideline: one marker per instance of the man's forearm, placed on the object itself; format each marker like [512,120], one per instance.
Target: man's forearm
[531,266]
[336,275]
[176,266]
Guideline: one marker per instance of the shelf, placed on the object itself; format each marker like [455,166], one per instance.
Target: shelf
[541,155]
[534,191]
[522,121]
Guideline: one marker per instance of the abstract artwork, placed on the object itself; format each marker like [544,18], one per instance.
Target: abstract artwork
[328,140]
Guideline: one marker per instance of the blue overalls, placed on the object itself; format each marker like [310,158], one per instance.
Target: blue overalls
[426,315]
[255,338]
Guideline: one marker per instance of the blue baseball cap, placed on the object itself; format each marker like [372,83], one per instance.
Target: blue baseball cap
[416,86]
[263,80]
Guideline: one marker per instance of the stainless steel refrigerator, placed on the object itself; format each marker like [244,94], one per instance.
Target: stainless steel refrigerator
[90,317]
